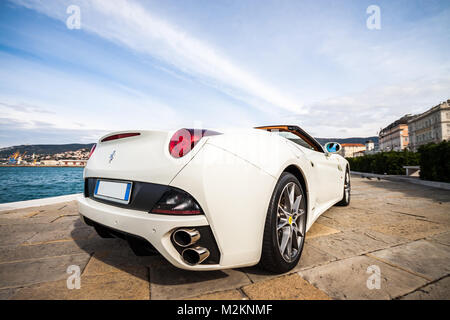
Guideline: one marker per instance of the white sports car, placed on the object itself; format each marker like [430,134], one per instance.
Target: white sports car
[207,200]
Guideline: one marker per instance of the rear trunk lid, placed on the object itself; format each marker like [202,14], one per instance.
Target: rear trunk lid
[143,157]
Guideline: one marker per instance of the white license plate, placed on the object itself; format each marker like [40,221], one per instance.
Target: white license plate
[113,191]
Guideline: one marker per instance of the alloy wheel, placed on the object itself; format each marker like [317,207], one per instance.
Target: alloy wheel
[290,221]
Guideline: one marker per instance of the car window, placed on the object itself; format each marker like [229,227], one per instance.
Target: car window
[294,138]
[296,135]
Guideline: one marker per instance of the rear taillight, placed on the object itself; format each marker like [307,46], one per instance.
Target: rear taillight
[120,136]
[92,150]
[184,140]
[177,202]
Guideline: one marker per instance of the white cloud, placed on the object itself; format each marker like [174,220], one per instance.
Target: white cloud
[130,24]
[364,113]
[353,82]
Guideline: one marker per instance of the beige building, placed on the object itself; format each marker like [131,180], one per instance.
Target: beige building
[64,163]
[49,163]
[370,145]
[395,136]
[74,163]
[359,154]
[350,149]
[431,126]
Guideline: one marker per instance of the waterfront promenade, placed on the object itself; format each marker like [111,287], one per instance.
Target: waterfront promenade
[392,242]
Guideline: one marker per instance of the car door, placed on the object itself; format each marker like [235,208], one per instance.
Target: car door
[326,176]
[327,170]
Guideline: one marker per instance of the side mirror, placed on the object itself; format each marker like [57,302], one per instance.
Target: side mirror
[332,147]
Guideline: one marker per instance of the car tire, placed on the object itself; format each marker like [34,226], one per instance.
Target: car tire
[347,188]
[277,256]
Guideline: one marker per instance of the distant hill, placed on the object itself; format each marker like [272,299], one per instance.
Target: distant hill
[322,141]
[47,149]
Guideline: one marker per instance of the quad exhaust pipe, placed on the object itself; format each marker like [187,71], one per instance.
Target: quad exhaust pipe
[194,256]
[186,237]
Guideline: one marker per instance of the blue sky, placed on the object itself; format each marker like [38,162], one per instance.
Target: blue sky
[217,64]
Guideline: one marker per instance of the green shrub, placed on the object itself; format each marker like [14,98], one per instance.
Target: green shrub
[435,161]
[391,162]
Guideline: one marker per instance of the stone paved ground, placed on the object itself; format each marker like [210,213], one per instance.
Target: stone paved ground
[400,229]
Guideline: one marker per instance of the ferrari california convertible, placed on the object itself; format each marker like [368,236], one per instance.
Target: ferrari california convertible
[208,200]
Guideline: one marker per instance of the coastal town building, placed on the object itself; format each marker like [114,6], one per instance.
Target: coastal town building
[74,163]
[49,163]
[395,136]
[63,163]
[350,149]
[432,125]
[359,154]
[19,157]
[370,145]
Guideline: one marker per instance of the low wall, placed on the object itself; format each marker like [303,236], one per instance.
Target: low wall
[37,202]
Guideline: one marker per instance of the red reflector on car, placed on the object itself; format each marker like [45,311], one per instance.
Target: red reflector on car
[184,140]
[120,136]
[176,202]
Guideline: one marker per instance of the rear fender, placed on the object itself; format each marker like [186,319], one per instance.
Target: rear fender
[215,177]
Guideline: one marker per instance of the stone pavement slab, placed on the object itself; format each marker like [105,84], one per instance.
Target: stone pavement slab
[6,294]
[443,238]
[412,229]
[285,287]
[23,221]
[117,286]
[433,212]
[353,243]
[347,279]
[320,230]
[31,252]
[14,238]
[311,257]
[439,290]
[72,232]
[68,200]
[168,282]
[222,295]
[351,218]
[21,215]
[59,248]
[428,259]
[103,262]
[13,234]
[25,273]
[43,213]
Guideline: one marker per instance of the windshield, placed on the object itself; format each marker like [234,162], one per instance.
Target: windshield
[296,135]
[294,138]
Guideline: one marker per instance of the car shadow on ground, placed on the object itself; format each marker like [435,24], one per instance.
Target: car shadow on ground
[114,254]
[258,271]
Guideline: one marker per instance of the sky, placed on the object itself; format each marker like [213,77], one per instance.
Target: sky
[217,64]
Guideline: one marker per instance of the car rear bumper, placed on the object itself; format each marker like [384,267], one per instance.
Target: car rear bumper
[154,228]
